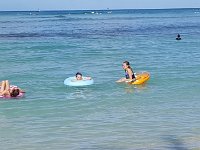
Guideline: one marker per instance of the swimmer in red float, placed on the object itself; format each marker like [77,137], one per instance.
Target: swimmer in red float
[9,91]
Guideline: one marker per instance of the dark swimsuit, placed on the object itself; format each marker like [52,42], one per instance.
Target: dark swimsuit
[127,76]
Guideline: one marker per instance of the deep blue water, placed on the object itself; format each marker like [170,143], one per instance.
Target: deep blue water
[40,49]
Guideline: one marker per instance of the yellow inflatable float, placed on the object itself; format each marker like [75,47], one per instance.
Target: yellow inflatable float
[141,77]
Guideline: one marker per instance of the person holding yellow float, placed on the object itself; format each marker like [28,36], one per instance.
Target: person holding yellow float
[133,78]
[129,74]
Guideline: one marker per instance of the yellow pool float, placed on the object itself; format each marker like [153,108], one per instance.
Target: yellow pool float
[141,77]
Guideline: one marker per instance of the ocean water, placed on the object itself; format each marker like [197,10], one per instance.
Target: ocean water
[40,49]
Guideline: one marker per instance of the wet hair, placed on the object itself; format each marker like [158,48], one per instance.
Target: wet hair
[127,63]
[78,73]
[14,93]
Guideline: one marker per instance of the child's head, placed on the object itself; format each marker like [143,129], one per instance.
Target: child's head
[126,65]
[79,76]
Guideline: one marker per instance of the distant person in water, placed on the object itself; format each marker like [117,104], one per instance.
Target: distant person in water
[79,76]
[8,90]
[178,37]
[129,74]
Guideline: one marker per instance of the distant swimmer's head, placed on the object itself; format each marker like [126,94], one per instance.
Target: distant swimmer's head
[178,37]
[79,76]
[14,92]
[125,65]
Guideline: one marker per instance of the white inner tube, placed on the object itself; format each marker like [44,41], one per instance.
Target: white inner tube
[71,81]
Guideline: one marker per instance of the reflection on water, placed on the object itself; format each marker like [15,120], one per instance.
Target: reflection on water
[130,89]
[175,142]
[78,93]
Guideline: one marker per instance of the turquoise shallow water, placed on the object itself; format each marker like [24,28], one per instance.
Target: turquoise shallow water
[40,49]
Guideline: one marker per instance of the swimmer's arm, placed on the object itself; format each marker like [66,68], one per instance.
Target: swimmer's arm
[129,80]
[88,78]
[121,80]
[118,81]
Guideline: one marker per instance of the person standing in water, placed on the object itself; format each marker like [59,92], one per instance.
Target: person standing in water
[129,74]
[178,37]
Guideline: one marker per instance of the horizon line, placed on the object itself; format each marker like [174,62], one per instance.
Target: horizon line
[114,9]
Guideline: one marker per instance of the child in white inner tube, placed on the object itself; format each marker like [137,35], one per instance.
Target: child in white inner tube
[79,77]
